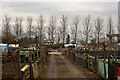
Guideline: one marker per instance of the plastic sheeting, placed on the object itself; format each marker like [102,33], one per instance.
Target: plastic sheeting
[101,68]
[22,52]
[26,52]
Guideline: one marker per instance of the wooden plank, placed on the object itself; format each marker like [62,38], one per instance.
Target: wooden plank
[36,67]
[91,56]
[91,69]
[35,73]
[102,61]
[26,74]
[25,71]
[101,76]
[25,67]
[91,63]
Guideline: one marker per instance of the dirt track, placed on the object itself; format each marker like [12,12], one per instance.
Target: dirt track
[52,71]
[59,67]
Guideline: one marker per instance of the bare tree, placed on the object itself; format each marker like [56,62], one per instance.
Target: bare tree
[98,28]
[58,34]
[52,28]
[74,29]
[118,27]
[86,29]
[41,28]
[6,30]
[64,27]
[18,30]
[30,29]
[110,29]
[110,26]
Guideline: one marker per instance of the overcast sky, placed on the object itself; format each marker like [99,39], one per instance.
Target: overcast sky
[69,9]
[59,0]
[81,9]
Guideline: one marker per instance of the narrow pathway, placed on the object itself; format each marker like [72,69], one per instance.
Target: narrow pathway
[59,67]
[72,72]
[52,73]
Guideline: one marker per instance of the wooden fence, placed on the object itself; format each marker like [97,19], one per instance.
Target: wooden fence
[36,59]
[23,64]
[11,65]
[105,67]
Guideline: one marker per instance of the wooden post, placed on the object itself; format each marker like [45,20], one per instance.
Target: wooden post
[37,54]
[109,70]
[110,43]
[34,55]
[17,62]
[115,51]
[35,70]
[88,61]
[92,63]
[46,52]
[96,64]
[104,60]
[30,62]
[104,68]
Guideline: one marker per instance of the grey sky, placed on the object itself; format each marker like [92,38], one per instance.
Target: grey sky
[69,9]
[81,9]
[60,0]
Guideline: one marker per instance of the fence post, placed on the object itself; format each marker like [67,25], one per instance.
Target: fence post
[30,62]
[96,63]
[34,55]
[35,70]
[37,54]
[104,68]
[17,60]
[88,61]
[114,68]
[109,69]
[46,53]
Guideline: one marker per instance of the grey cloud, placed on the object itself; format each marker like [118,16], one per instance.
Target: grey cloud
[82,9]
[60,0]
